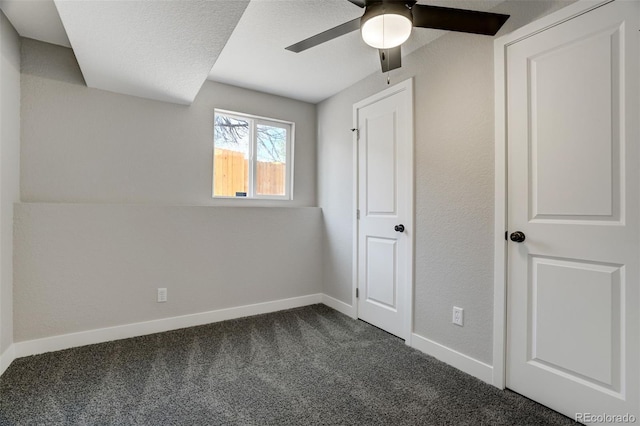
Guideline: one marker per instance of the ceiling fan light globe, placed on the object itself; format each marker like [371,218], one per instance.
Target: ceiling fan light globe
[386,31]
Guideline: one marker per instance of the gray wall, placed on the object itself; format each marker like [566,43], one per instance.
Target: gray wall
[454,166]
[9,169]
[88,145]
[116,195]
[87,266]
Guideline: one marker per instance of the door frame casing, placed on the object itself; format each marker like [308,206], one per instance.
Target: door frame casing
[500,215]
[405,87]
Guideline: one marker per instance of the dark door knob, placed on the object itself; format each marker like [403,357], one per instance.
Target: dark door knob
[517,237]
[399,228]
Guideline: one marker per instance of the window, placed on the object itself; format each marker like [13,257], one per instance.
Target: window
[252,156]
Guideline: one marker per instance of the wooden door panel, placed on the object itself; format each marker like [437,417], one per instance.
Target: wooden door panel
[571,131]
[381,181]
[575,319]
[381,269]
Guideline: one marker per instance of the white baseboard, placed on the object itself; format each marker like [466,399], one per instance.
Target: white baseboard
[454,358]
[7,358]
[66,341]
[339,306]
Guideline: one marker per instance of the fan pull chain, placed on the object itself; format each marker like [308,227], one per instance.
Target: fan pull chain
[388,77]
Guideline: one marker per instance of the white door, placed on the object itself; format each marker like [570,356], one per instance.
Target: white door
[385,204]
[573,135]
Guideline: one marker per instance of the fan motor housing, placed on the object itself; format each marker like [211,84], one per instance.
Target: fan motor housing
[387,7]
[386,25]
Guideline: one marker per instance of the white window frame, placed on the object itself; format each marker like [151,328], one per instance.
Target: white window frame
[254,121]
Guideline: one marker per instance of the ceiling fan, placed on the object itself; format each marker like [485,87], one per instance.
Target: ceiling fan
[386,24]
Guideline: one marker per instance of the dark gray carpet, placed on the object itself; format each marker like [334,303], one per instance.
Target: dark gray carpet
[304,366]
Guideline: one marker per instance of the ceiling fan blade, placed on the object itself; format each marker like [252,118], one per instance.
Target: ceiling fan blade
[317,39]
[390,59]
[359,3]
[466,21]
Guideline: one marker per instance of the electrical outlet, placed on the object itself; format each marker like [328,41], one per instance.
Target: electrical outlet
[162,295]
[458,316]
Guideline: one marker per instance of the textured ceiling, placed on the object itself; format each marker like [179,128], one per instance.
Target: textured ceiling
[255,55]
[36,19]
[161,50]
[164,49]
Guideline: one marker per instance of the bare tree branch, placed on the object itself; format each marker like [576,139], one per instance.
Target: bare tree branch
[272,140]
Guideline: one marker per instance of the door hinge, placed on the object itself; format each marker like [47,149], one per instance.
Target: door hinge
[357,293]
[358,214]
[357,132]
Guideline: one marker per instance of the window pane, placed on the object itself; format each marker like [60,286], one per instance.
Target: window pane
[230,156]
[271,167]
